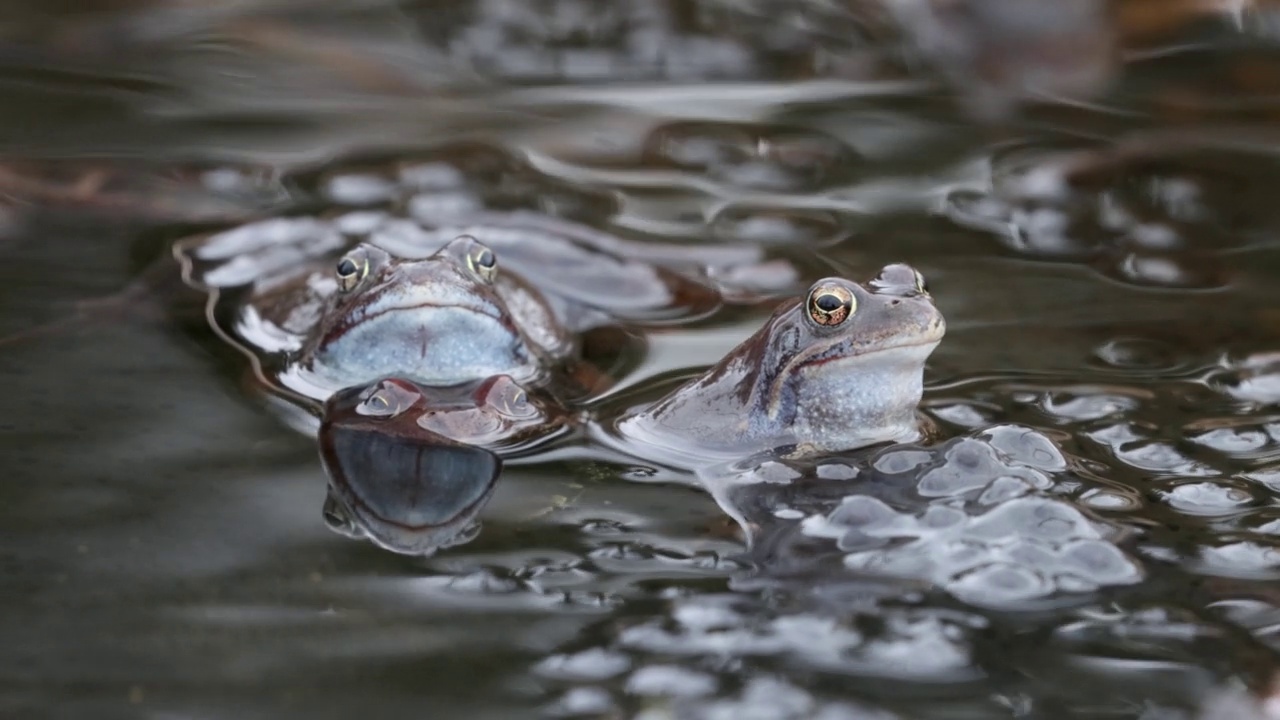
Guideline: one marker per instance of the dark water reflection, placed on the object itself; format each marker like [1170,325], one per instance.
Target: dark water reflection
[164,551]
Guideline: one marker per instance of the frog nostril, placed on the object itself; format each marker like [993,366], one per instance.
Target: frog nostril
[895,301]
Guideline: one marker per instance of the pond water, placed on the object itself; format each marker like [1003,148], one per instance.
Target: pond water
[1095,533]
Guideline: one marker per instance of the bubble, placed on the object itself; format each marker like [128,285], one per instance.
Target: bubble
[1207,498]
[431,208]
[1138,354]
[359,189]
[836,471]
[1181,270]
[772,472]
[1003,489]
[1241,558]
[670,681]
[753,156]
[485,582]
[1268,477]
[1026,446]
[1254,379]
[583,701]
[971,464]
[938,517]
[1076,406]
[1233,440]
[999,584]
[1033,518]
[763,698]
[433,176]
[591,664]
[979,211]
[963,414]
[359,223]
[1160,457]
[777,225]
[1100,562]
[1107,499]
[861,511]
[893,462]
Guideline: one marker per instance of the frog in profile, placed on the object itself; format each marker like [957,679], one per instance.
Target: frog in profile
[839,369]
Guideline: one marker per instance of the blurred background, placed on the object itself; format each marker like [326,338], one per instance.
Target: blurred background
[1087,185]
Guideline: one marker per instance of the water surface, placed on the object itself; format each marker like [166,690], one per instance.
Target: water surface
[165,554]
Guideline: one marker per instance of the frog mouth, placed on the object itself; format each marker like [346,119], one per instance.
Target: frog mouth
[910,350]
[490,313]
[410,496]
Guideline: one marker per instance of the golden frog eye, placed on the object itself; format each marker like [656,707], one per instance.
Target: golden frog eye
[351,270]
[831,304]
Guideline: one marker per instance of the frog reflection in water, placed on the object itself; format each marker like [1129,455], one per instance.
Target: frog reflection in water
[840,369]
[448,318]
[410,466]
[496,413]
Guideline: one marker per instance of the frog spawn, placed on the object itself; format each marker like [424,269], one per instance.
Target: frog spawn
[981,517]
[896,644]
[1188,453]
[1128,217]
[989,534]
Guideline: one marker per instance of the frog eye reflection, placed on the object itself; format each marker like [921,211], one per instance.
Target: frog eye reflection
[515,403]
[830,304]
[385,401]
[510,399]
[351,270]
[381,403]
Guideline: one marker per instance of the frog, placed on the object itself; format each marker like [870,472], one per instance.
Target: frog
[497,413]
[837,369]
[410,465]
[445,319]
[319,312]
[410,491]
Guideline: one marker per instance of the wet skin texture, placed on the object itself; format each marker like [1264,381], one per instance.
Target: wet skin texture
[838,369]
[451,317]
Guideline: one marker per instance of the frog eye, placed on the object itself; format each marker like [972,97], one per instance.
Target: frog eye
[480,259]
[351,269]
[515,403]
[508,398]
[830,304]
[387,399]
[922,286]
[379,404]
